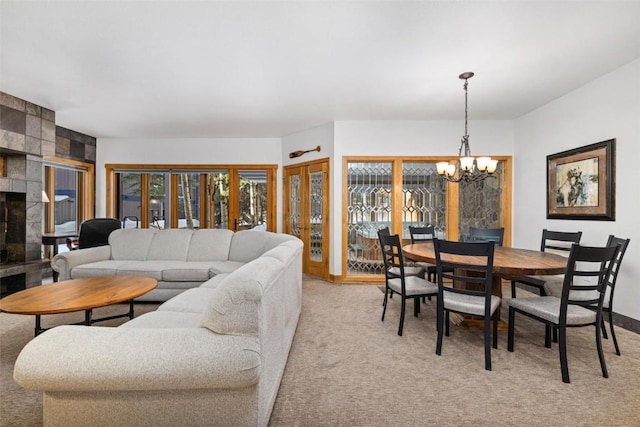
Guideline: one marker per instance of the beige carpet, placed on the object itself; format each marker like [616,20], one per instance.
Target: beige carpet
[347,368]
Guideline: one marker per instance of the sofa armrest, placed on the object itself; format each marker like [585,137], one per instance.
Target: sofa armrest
[81,358]
[64,262]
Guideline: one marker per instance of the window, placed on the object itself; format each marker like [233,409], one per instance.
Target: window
[184,196]
[397,193]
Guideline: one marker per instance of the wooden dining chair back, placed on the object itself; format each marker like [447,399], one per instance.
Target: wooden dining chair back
[554,288]
[409,270]
[585,281]
[554,241]
[469,266]
[424,234]
[488,234]
[398,282]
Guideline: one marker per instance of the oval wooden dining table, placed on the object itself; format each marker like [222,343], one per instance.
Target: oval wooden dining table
[508,263]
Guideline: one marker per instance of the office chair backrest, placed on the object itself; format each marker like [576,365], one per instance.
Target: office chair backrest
[95,232]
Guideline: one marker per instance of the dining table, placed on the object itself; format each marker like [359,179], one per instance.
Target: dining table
[508,263]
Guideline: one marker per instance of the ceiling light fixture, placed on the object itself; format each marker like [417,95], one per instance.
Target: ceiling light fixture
[469,168]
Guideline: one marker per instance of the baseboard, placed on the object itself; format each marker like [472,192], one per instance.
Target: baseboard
[627,323]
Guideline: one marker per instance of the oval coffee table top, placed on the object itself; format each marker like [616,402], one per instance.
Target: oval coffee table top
[77,294]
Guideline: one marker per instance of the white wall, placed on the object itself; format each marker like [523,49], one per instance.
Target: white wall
[184,151]
[408,138]
[606,108]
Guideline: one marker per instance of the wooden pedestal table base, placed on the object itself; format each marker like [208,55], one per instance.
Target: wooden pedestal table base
[77,295]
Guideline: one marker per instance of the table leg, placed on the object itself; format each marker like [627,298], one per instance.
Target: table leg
[38,326]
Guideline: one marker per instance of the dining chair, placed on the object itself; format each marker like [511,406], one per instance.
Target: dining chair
[458,261]
[488,234]
[424,234]
[556,242]
[572,308]
[396,281]
[554,288]
[409,270]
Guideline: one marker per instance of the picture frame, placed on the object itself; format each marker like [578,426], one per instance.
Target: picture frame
[581,183]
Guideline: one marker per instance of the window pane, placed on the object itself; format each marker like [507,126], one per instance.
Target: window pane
[295,202]
[480,203]
[253,199]
[158,200]
[424,197]
[65,198]
[129,202]
[315,202]
[369,209]
[219,208]
[189,200]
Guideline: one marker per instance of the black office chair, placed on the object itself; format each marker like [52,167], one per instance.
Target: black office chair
[573,307]
[95,232]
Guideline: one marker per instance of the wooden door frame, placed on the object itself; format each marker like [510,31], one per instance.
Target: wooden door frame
[303,169]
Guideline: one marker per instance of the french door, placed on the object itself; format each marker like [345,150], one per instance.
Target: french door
[306,213]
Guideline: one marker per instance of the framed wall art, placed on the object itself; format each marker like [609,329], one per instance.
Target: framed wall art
[581,183]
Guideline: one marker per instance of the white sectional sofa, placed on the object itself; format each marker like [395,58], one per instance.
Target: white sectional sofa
[178,259]
[211,356]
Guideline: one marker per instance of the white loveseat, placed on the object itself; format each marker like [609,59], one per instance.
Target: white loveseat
[178,259]
[212,355]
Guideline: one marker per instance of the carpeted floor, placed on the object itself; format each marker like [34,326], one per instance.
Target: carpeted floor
[347,368]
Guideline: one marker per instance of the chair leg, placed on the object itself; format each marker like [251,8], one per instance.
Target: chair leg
[562,348]
[446,324]
[613,334]
[495,330]
[402,308]
[604,329]
[487,343]
[547,336]
[416,306]
[384,303]
[513,289]
[439,326]
[511,328]
[603,364]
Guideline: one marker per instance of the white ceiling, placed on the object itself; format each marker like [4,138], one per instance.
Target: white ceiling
[271,68]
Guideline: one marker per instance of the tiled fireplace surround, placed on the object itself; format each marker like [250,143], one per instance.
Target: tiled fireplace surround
[27,135]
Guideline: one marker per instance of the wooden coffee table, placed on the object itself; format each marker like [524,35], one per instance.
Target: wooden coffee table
[77,295]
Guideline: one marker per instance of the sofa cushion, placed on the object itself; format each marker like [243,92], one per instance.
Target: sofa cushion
[186,271]
[131,244]
[233,308]
[214,281]
[248,245]
[165,319]
[99,268]
[224,267]
[171,244]
[193,300]
[151,269]
[210,244]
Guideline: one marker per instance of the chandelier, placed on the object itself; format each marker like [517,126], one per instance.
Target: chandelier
[469,168]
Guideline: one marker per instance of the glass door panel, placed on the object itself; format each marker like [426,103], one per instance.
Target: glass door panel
[188,209]
[130,199]
[369,209]
[158,200]
[251,200]
[423,197]
[480,203]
